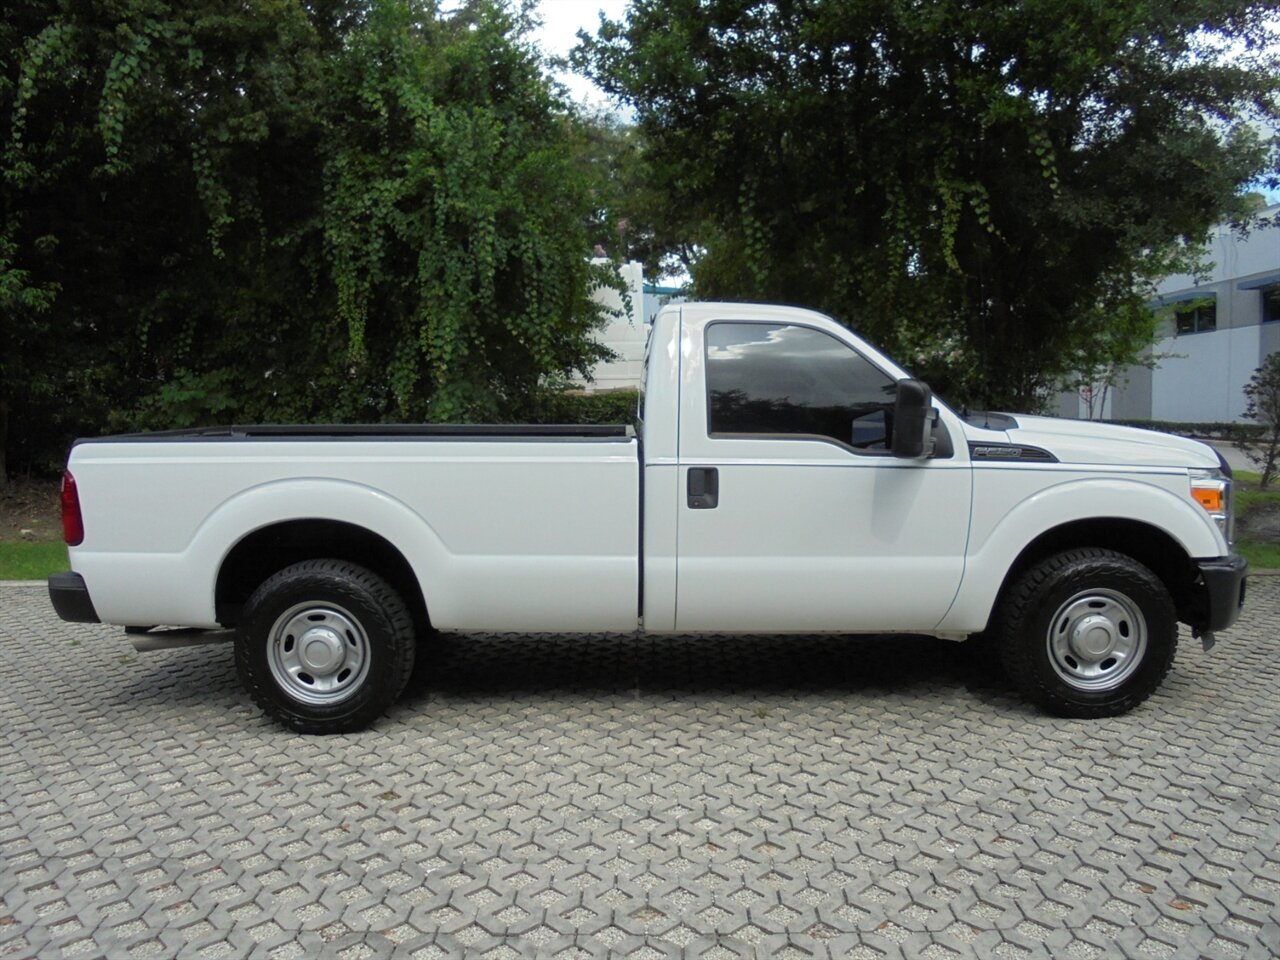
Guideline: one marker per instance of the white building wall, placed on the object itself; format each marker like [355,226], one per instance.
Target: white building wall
[625,335]
[1233,256]
[1202,376]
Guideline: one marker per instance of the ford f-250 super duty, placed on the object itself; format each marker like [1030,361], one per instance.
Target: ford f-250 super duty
[788,477]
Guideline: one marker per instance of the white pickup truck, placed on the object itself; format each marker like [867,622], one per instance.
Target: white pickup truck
[788,477]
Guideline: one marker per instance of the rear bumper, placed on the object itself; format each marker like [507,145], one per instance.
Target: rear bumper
[1224,588]
[70,598]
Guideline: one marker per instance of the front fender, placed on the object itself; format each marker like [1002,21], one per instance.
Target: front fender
[999,535]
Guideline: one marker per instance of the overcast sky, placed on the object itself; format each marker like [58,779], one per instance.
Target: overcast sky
[561,21]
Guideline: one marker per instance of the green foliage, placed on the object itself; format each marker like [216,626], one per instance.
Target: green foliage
[989,181]
[569,406]
[273,211]
[190,398]
[629,217]
[1262,393]
[472,202]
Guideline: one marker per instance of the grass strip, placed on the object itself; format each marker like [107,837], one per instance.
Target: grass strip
[22,560]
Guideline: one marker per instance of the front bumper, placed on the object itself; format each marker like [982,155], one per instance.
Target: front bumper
[70,598]
[1223,593]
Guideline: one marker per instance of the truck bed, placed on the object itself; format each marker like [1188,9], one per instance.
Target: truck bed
[506,527]
[365,431]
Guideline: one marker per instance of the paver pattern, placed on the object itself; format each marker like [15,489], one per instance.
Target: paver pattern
[639,798]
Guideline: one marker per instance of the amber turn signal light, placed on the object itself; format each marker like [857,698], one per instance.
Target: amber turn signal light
[1209,497]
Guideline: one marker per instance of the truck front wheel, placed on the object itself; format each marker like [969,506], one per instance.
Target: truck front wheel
[325,646]
[1087,633]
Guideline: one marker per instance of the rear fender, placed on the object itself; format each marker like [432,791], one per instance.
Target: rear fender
[179,588]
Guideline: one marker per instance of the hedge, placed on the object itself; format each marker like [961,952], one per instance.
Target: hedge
[611,406]
[1213,429]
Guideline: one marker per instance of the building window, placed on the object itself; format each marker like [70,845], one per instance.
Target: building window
[1197,317]
[1271,303]
[774,380]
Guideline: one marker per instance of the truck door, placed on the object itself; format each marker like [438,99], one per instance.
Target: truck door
[793,514]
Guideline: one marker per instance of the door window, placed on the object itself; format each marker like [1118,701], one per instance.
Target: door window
[783,380]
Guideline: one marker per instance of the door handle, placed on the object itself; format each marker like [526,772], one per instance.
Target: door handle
[704,488]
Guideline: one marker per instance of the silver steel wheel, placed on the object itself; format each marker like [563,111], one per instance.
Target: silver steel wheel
[1097,639]
[318,653]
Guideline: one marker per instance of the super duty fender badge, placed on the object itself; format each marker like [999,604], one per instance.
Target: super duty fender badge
[1010,452]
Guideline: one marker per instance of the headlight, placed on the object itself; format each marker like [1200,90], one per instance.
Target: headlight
[1212,490]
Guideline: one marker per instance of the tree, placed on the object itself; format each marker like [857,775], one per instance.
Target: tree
[1263,395]
[982,178]
[24,365]
[135,139]
[629,219]
[454,218]
[341,210]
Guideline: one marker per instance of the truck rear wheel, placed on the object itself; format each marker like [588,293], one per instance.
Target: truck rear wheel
[325,646]
[1087,633]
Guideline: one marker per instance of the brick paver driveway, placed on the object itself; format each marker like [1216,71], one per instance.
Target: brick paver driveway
[607,796]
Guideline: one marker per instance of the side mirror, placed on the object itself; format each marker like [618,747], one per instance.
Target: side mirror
[912,420]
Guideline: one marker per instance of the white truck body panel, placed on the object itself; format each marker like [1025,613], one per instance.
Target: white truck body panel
[1120,448]
[545,534]
[503,535]
[810,535]
[1016,503]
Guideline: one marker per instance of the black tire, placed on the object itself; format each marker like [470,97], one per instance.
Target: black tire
[362,635]
[1057,619]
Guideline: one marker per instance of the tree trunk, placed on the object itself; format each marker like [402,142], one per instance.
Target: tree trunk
[1271,453]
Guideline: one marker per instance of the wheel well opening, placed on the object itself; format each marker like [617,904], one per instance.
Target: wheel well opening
[1149,545]
[271,549]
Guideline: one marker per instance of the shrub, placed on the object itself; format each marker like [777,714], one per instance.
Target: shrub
[1263,394]
[571,406]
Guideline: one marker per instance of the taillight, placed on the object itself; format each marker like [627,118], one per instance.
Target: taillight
[72,521]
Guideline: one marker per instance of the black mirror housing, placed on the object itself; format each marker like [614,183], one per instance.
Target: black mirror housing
[912,419]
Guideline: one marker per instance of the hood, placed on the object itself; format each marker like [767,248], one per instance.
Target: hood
[1088,441]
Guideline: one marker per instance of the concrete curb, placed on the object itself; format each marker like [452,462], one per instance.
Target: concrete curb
[22,583]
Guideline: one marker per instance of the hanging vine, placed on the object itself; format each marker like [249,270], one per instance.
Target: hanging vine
[450,205]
